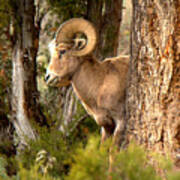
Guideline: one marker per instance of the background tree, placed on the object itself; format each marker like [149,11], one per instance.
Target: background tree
[22,25]
[106,16]
[6,128]
[153,94]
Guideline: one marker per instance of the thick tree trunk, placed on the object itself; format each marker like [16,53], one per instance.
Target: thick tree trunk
[153,93]
[106,15]
[25,107]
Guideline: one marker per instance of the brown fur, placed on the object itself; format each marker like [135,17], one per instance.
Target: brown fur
[100,86]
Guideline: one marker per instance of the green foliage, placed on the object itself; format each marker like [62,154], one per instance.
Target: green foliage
[55,146]
[132,164]
[5,65]
[3,164]
[173,176]
[90,163]
[32,174]
[5,9]
[81,130]
[51,104]
[52,157]
[68,8]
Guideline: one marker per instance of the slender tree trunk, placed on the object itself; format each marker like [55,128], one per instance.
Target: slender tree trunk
[25,107]
[69,105]
[107,16]
[153,93]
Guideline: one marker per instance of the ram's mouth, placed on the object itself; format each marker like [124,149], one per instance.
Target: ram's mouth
[52,81]
[56,81]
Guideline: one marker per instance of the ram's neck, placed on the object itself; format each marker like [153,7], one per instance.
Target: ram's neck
[87,80]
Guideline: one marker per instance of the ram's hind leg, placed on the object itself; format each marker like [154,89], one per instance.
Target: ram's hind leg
[119,132]
[106,123]
[104,135]
[108,127]
[117,140]
[106,132]
[118,135]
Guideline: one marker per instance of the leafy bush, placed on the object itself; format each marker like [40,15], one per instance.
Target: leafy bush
[92,163]
[173,176]
[3,164]
[132,164]
[54,157]
[54,145]
[32,174]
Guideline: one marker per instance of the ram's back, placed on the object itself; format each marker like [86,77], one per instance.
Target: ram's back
[113,87]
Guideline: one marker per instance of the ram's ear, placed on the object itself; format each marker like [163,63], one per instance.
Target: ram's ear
[79,43]
[70,31]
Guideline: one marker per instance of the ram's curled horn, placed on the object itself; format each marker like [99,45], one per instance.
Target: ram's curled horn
[68,31]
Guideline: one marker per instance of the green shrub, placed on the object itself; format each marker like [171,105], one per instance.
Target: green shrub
[132,164]
[173,176]
[3,164]
[32,174]
[53,143]
[92,162]
[52,157]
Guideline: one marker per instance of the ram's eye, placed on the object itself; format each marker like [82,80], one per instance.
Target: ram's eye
[61,52]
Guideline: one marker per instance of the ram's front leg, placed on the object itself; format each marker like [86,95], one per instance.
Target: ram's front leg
[107,125]
[104,135]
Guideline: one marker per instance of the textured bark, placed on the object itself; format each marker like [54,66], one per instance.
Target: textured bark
[106,15]
[25,107]
[6,134]
[20,109]
[153,93]
[69,105]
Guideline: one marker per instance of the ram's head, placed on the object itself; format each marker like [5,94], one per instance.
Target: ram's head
[74,40]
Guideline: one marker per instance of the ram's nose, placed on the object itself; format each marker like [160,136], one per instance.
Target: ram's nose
[51,78]
[47,76]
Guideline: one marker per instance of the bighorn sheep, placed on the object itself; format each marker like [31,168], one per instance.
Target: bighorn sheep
[100,86]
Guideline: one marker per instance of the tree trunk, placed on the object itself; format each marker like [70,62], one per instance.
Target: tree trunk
[153,93]
[69,105]
[106,16]
[25,107]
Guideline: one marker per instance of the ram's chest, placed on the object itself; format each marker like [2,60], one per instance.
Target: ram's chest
[89,108]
